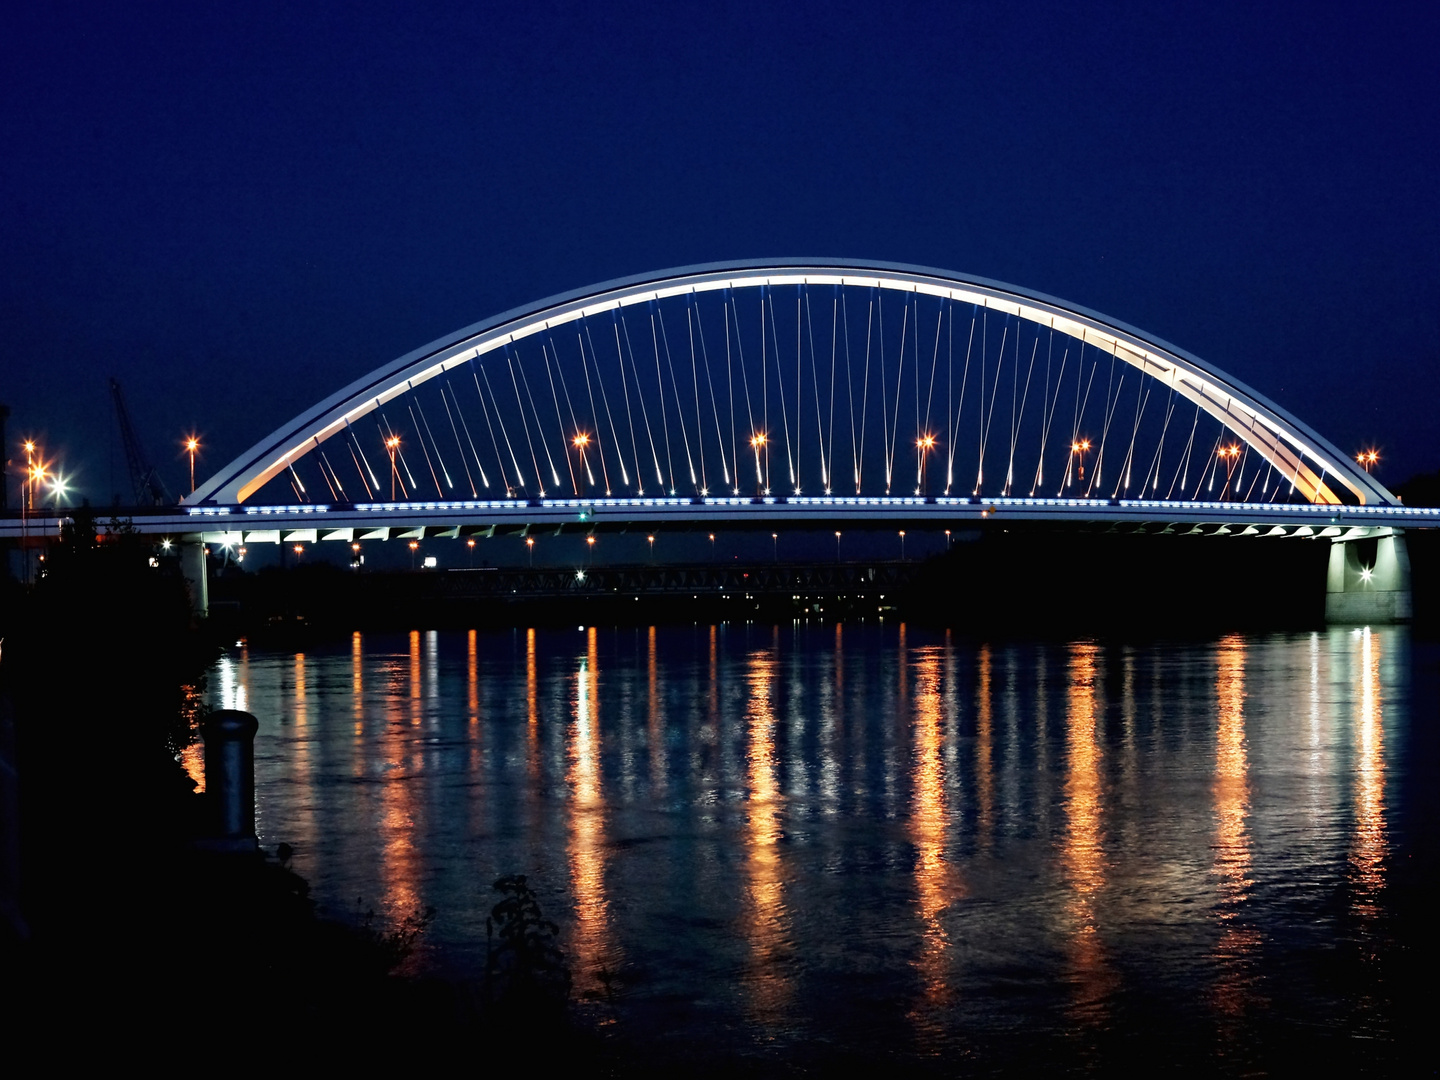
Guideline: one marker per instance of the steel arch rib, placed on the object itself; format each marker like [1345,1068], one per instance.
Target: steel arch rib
[1291,446]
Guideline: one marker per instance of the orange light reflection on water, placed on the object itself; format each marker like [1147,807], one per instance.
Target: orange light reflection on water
[472,678]
[984,744]
[1084,855]
[1235,981]
[532,714]
[765,921]
[417,709]
[591,944]
[399,857]
[936,884]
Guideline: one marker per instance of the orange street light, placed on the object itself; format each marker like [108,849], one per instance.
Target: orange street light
[757,443]
[191,445]
[392,444]
[925,443]
[1079,448]
[530,548]
[581,441]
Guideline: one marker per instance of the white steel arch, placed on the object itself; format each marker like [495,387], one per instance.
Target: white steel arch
[1290,446]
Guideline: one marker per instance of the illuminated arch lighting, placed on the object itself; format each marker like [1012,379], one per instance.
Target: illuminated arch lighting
[1291,446]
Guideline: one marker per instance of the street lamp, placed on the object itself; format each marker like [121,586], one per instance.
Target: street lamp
[392,444]
[902,545]
[470,543]
[27,497]
[712,547]
[757,443]
[589,548]
[924,444]
[651,541]
[775,546]
[414,547]
[581,441]
[837,545]
[191,445]
[530,548]
[1367,458]
[1079,449]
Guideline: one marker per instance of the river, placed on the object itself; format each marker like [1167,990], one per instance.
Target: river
[792,845]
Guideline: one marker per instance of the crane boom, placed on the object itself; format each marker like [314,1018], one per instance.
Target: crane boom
[149,488]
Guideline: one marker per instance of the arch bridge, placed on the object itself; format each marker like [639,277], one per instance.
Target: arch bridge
[808,392]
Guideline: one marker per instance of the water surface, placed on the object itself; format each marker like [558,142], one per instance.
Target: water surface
[787,845]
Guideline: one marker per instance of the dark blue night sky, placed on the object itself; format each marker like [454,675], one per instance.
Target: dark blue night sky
[236,209]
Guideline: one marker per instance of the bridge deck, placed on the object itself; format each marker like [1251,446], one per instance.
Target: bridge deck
[395,520]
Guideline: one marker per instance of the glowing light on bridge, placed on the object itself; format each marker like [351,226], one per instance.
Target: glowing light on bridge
[192,444]
[983,371]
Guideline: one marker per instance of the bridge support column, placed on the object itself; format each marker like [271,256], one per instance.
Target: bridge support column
[192,568]
[1369,579]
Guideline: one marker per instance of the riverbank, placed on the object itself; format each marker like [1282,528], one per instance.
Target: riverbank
[991,582]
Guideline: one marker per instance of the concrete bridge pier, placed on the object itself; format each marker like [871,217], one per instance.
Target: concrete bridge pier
[192,569]
[1368,580]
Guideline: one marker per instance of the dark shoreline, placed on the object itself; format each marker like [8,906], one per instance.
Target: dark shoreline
[1025,584]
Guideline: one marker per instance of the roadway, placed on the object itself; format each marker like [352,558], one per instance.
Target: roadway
[314,522]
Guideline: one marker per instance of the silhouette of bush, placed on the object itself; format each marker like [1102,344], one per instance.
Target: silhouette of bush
[525,970]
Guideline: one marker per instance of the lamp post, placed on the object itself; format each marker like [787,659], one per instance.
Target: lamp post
[392,444]
[757,443]
[27,497]
[651,541]
[1078,449]
[470,543]
[837,545]
[924,444]
[414,547]
[902,545]
[712,547]
[530,549]
[589,551]
[775,546]
[191,445]
[581,441]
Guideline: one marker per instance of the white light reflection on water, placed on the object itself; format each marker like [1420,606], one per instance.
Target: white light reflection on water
[871,836]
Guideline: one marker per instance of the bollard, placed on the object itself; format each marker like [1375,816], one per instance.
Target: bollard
[230,779]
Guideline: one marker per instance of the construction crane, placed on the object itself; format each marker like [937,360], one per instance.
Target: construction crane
[149,488]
